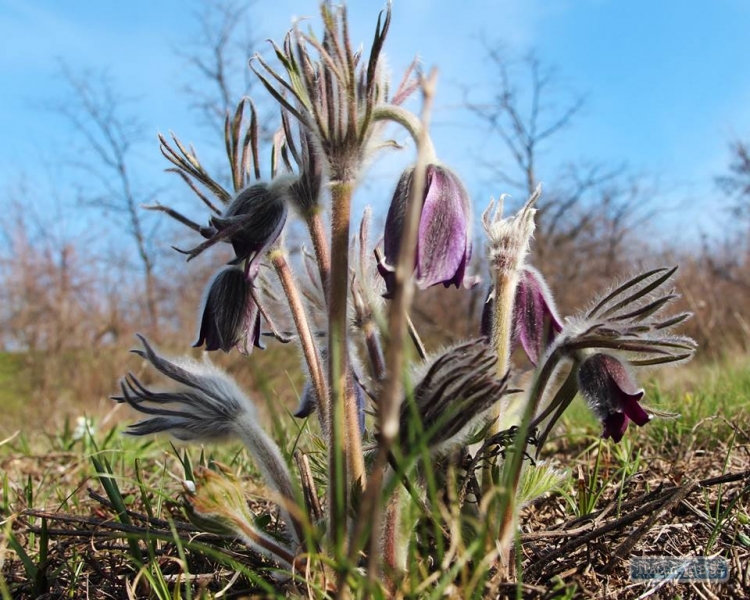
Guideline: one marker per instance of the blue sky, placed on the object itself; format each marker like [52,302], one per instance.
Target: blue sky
[666,83]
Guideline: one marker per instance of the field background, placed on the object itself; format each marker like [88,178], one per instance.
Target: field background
[641,142]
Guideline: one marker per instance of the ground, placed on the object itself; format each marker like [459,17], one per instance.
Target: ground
[80,511]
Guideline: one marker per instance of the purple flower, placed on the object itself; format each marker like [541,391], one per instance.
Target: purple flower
[535,320]
[444,238]
[253,221]
[535,317]
[230,316]
[612,394]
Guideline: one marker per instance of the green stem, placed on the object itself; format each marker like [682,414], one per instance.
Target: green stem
[413,125]
[502,329]
[339,432]
[513,464]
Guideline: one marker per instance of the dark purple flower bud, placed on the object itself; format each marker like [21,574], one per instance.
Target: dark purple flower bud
[256,217]
[444,238]
[454,394]
[535,320]
[612,394]
[230,316]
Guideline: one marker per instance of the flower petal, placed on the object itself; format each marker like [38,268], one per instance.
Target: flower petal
[535,320]
[443,230]
[224,310]
[615,426]
[634,411]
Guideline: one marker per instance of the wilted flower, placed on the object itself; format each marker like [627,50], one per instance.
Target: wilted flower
[612,394]
[456,391]
[535,319]
[207,406]
[230,316]
[444,240]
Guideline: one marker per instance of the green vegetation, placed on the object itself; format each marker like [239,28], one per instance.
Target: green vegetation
[103,511]
[12,388]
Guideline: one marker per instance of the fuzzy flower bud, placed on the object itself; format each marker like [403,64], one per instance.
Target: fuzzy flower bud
[215,502]
[207,405]
[454,394]
[444,238]
[509,238]
[229,316]
[612,394]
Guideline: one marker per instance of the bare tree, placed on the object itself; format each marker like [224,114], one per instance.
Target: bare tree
[589,208]
[217,59]
[523,118]
[109,135]
[729,260]
[737,182]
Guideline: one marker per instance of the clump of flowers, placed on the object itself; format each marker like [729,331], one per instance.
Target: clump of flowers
[384,409]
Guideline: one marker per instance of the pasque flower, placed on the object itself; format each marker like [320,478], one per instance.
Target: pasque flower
[444,238]
[456,389]
[230,316]
[624,330]
[612,394]
[207,406]
[253,221]
[535,319]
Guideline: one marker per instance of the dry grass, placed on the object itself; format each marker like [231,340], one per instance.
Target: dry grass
[674,488]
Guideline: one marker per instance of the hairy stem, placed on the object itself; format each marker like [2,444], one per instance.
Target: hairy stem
[310,351]
[320,244]
[275,471]
[374,351]
[393,545]
[502,329]
[413,125]
[341,196]
[389,400]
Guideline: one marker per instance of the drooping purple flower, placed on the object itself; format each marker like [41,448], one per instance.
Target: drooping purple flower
[255,219]
[535,319]
[444,238]
[612,394]
[252,222]
[230,316]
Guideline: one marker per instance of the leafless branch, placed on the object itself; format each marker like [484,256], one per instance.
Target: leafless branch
[97,114]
